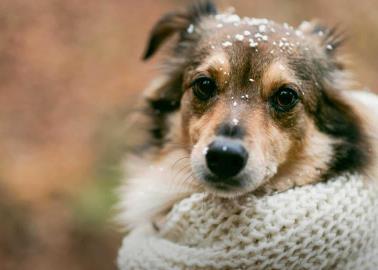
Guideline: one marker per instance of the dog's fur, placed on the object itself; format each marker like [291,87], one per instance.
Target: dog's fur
[330,131]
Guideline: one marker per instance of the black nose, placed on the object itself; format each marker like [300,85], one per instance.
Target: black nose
[226,157]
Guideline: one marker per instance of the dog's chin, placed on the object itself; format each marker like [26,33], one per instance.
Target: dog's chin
[225,188]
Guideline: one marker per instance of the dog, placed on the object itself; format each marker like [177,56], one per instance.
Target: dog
[245,105]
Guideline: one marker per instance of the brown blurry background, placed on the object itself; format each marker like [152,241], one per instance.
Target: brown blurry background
[70,71]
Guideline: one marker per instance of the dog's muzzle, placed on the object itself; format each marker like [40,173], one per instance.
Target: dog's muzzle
[226,158]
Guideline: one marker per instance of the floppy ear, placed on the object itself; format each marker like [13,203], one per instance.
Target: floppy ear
[164,94]
[177,22]
[330,38]
[163,29]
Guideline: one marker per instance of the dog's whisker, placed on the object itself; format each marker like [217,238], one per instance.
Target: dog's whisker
[188,177]
[178,161]
[184,169]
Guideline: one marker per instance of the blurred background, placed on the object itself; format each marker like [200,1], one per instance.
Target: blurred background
[69,73]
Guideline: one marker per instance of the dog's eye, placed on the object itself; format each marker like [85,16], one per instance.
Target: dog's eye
[204,88]
[285,98]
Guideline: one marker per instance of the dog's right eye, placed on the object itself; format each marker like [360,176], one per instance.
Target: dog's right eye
[204,88]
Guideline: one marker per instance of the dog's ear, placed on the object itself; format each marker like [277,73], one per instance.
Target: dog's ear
[177,22]
[329,38]
[162,97]
[163,94]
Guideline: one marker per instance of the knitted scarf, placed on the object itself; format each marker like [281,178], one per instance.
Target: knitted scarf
[331,225]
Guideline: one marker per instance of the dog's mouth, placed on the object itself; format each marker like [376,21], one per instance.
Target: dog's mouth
[224,184]
[225,187]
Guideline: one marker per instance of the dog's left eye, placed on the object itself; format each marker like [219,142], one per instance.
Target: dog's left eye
[285,98]
[204,88]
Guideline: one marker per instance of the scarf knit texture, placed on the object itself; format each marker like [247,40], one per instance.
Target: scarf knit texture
[326,226]
[331,225]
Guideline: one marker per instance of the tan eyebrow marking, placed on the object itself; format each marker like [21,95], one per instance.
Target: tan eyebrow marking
[276,74]
[217,65]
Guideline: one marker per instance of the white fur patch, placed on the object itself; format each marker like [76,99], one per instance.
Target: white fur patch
[151,190]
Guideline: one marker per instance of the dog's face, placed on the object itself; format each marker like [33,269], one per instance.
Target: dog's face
[246,112]
[255,102]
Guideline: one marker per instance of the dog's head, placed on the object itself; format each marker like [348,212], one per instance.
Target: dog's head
[253,102]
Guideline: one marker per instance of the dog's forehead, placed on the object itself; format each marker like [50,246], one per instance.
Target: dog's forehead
[261,39]
[254,31]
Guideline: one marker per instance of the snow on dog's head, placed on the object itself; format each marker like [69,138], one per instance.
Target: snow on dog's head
[255,104]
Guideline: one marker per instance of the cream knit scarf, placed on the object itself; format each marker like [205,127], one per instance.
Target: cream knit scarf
[331,225]
[325,226]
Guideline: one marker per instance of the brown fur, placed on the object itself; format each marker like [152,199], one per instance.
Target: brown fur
[323,136]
